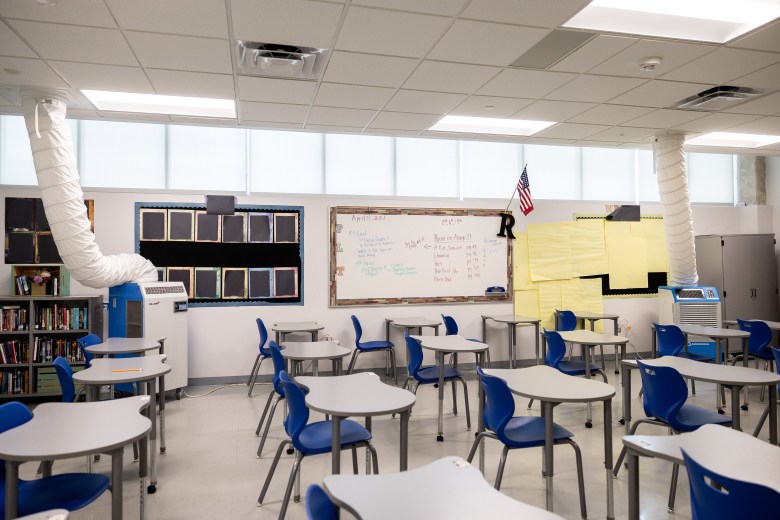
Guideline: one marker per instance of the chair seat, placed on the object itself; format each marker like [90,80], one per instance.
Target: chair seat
[374,345]
[430,374]
[576,367]
[317,437]
[527,432]
[69,491]
[695,357]
[691,417]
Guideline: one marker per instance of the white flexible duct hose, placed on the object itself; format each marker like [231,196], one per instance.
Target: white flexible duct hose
[63,202]
[669,160]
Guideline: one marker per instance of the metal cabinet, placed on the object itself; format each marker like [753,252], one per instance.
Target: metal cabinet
[744,270]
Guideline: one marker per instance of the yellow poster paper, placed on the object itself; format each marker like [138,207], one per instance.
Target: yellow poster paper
[588,248]
[549,301]
[549,247]
[527,303]
[592,301]
[655,236]
[522,269]
[627,254]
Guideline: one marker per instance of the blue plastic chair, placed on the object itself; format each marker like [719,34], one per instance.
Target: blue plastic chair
[565,320]
[451,329]
[765,414]
[664,396]
[428,375]
[261,356]
[276,390]
[319,506]
[312,439]
[69,491]
[370,346]
[718,497]
[556,350]
[758,342]
[517,432]
[65,376]
[671,342]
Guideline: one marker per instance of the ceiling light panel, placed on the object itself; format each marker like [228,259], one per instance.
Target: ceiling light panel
[733,140]
[157,104]
[487,125]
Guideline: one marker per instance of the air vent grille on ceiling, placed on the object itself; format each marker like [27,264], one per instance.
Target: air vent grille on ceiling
[279,60]
[552,48]
[720,97]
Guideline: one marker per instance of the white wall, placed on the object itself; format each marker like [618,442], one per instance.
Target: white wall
[223,340]
[773,199]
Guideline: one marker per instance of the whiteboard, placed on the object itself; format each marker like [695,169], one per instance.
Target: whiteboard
[398,255]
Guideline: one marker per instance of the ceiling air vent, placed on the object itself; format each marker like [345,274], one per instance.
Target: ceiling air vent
[278,60]
[552,48]
[719,98]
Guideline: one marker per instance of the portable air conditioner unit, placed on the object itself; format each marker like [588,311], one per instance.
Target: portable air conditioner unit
[153,310]
[693,305]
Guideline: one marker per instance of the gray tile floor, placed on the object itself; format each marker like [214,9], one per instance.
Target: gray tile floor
[210,470]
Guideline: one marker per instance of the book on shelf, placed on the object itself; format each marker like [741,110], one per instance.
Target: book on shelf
[14,318]
[23,285]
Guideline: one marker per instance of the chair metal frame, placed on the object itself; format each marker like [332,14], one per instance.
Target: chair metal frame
[360,348]
[262,355]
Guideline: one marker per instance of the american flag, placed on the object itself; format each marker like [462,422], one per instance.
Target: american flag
[524,192]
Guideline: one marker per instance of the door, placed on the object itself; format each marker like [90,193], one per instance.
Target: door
[738,280]
[764,272]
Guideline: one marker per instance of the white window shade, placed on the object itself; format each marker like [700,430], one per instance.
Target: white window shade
[646,177]
[16,162]
[490,170]
[206,158]
[710,177]
[608,174]
[359,165]
[553,171]
[286,162]
[426,167]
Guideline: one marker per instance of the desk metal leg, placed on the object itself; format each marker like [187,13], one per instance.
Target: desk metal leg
[480,418]
[622,354]
[654,343]
[547,412]
[511,343]
[626,380]
[315,335]
[387,330]
[735,419]
[315,368]
[772,403]
[116,483]
[586,352]
[436,330]
[152,414]
[91,392]
[484,329]
[143,470]
[440,363]
[11,488]
[404,462]
[162,414]
[633,483]
[336,445]
[536,332]
[718,360]
[608,459]
[368,452]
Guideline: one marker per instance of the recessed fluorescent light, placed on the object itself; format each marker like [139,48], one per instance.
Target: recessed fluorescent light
[157,104]
[733,140]
[489,125]
[701,20]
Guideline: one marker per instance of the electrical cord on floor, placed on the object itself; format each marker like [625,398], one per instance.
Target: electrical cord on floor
[220,387]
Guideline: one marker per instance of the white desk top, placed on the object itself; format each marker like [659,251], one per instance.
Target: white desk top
[362,394]
[51,514]
[548,384]
[123,346]
[774,325]
[297,326]
[447,488]
[413,322]
[306,350]
[713,373]
[510,318]
[65,430]
[450,344]
[713,332]
[732,453]
[586,315]
[101,371]
[590,338]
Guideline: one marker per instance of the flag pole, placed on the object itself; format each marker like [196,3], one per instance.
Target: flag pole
[514,191]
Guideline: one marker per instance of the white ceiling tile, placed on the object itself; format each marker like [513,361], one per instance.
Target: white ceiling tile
[335,129]
[92,76]
[210,121]
[161,51]
[12,45]
[272,112]
[289,22]
[423,102]
[571,131]
[767,105]
[610,114]
[665,118]
[764,39]
[659,93]
[538,13]
[71,43]
[485,43]
[188,17]
[623,134]
[597,144]
[390,32]
[525,83]
[365,69]
[441,7]
[489,106]
[723,65]
[550,141]
[77,12]
[391,133]
[267,125]
[558,111]
[595,89]
[31,73]
[448,135]
[672,54]
[403,121]
[197,84]
[716,122]
[768,78]
[597,50]
[340,116]
[449,77]
[765,125]
[352,96]
[269,90]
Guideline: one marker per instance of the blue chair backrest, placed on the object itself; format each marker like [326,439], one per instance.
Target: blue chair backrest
[358,330]
[86,341]
[760,334]
[671,339]
[319,505]
[415,354]
[499,404]
[450,326]
[715,496]
[12,414]
[565,320]
[279,365]
[297,411]
[65,375]
[556,348]
[263,337]
[664,392]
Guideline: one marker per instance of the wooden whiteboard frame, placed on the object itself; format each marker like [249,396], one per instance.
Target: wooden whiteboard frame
[448,212]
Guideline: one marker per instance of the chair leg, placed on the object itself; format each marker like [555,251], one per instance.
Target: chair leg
[135,451]
[392,364]
[354,460]
[530,403]
[268,425]
[763,388]
[501,463]
[374,458]
[466,399]
[296,467]
[603,365]
[673,488]
[603,376]
[622,455]
[693,387]
[454,397]
[265,411]
[355,354]
[477,439]
[761,421]
[580,478]
[253,375]
[272,470]
[254,367]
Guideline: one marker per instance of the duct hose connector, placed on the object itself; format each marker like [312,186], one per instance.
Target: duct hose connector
[669,160]
[63,201]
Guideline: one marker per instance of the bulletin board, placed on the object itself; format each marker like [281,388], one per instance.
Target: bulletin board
[253,257]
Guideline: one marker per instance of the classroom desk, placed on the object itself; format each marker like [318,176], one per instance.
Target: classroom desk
[592,318]
[115,346]
[288,327]
[144,369]
[298,352]
[729,376]
[67,430]
[450,345]
[358,395]
[551,388]
[446,488]
[51,514]
[512,321]
[723,450]
[411,323]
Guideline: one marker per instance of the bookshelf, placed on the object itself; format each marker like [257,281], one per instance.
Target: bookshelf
[58,283]
[36,329]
